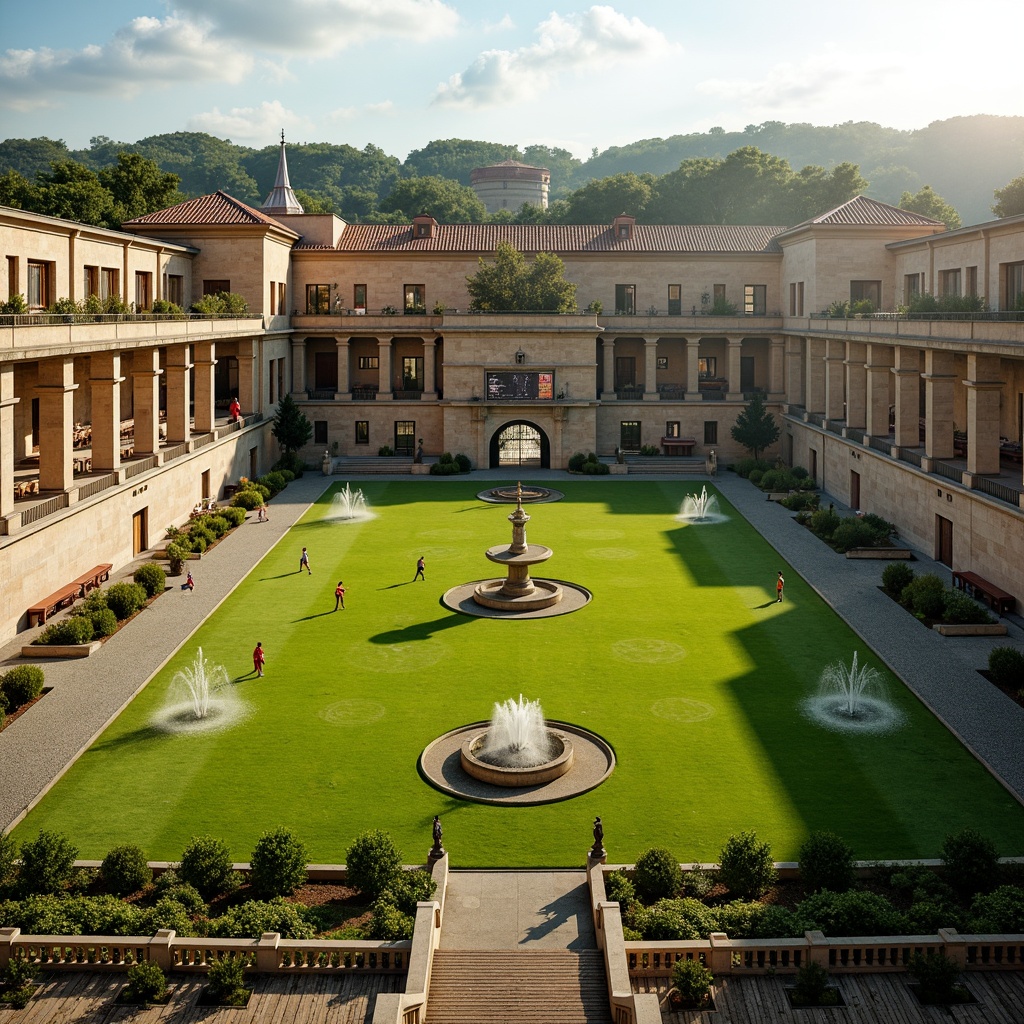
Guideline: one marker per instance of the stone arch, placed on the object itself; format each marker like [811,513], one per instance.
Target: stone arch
[521,437]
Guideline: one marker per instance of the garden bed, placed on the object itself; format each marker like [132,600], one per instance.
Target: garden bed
[969,629]
[880,553]
[61,650]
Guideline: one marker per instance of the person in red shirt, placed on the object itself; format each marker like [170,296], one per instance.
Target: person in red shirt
[258,659]
[339,596]
[779,584]
[235,410]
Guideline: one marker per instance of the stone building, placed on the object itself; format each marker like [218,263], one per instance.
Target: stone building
[510,184]
[113,426]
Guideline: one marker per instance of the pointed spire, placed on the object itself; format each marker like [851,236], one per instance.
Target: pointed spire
[282,198]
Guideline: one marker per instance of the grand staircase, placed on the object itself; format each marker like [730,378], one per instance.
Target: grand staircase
[666,465]
[514,987]
[364,465]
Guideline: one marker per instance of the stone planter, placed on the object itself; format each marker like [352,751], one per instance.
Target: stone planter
[60,650]
[879,553]
[991,629]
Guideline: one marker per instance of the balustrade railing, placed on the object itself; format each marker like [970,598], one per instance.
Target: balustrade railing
[132,469]
[176,452]
[880,444]
[954,473]
[96,484]
[43,509]
[854,434]
[995,489]
[911,456]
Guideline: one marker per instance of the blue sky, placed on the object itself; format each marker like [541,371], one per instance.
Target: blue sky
[399,73]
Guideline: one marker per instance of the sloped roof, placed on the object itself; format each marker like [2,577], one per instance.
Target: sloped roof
[864,211]
[216,208]
[562,238]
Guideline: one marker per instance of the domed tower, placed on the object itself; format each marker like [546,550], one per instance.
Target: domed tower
[506,186]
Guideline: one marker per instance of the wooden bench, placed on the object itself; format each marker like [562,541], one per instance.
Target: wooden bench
[678,445]
[977,586]
[64,597]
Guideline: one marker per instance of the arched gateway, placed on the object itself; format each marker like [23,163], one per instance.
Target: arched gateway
[520,444]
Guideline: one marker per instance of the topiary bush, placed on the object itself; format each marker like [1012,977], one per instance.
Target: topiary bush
[278,864]
[151,578]
[75,629]
[234,514]
[1006,666]
[938,979]
[576,461]
[225,980]
[389,923]
[960,609]
[853,533]
[463,462]
[826,862]
[850,913]
[619,888]
[812,988]
[249,499]
[1000,912]
[657,875]
[124,870]
[147,983]
[746,867]
[104,623]
[745,467]
[594,467]
[924,596]
[896,577]
[125,599]
[21,684]
[824,523]
[254,917]
[206,865]
[408,888]
[275,481]
[47,862]
[444,468]
[971,862]
[176,553]
[372,862]
[217,525]
[692,980]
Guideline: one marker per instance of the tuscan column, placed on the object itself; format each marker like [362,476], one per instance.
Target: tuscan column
[105,384]
[344,392]
[650,369]
[879,377]
[735,393]
[983,390]
[249,396]
[384,351]
[908,397]
[55,388]
[146,399]
[693,370]
[205,377]
[856,385]
[7,404]
[608,363]
[794,357]
[938,404]
[815,377]
[777,370]
[429,369]
[835,379]
[179,394]
[299,367]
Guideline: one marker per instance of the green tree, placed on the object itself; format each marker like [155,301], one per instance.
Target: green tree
[755,427]
[929,204]
[291,428]
[445,200]
[600,201]
[513,283]
[17,191]
[30,157]
[74,192]
[456,158]
[564,167]
[1009,199]
[138,186]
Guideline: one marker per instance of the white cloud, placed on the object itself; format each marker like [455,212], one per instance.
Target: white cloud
[322,27]
[505,25]
[589,42]
[252,124]
[145,53]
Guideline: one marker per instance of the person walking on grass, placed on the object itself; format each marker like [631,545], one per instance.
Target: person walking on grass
[780,583]
[420,565]
[339,596]
[259,659]
[304,562]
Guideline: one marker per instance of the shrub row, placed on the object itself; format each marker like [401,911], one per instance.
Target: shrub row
[927,597]
[449,465]
[781,479]
[103,609]
[845,532]
[588,464]
[18,686]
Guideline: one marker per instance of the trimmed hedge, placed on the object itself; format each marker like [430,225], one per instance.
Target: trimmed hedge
[125,599]
[76,629]
[151,578]
[21,684]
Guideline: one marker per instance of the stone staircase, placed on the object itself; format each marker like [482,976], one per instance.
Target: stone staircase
[514,987]
[666,465]
[363,465]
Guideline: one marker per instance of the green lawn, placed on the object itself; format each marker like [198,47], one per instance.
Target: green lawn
[683,662]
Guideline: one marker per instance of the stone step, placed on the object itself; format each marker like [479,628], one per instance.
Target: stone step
[361,466]
[666,464]
[513,987]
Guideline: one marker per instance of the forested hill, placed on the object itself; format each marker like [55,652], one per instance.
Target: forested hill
[964,159]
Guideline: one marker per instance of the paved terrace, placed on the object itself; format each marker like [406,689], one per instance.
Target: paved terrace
[87,693]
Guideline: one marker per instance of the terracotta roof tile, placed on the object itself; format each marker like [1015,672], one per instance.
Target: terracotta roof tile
[864,211]
[216,208]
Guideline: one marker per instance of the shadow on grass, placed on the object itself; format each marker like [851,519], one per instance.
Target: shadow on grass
[318,615]
[419,630]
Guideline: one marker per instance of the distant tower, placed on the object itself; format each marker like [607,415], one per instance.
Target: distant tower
[506,186]
[282,199]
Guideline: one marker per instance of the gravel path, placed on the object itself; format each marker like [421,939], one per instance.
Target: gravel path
[86,694]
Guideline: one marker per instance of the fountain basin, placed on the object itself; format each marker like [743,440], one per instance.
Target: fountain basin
[500,595]
[498,775]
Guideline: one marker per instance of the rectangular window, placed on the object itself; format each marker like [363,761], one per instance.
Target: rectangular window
[320,431]
[174,289]
[281,294]
[272,380]
[369,362]
[792,298]
[12,277]
[215,286]
[412,373]
[405,437]
[143,290]
[675,299]
[38,284]
[707,367]
[799,298]
[273,298]
[755,299]
[911,287]
[625,372]
[325,371]
[971,281]
[359,296]
[110,282]
[672,428]
[318,299]
[711,431]
[949,282]
[91,282]
[1013,286]
[629,435]
[362,431]
[625,299]
[866,291]
[415,298]
[718,294]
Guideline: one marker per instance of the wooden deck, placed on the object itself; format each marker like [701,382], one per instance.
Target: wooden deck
[63,997]
[869,998]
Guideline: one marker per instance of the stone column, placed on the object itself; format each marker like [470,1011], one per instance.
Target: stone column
[429,369]
[299,367]
[879,378]
[835,380]
[203,355]
[7,404]
[814,388]
[249,397]
[146,399]
[179,394]
[983,391]
[693,370]
[650,369]
[856,385]
[344,391]
[794,356]
[105,384]
[608,362]
[735,393]
[55,388]
[384,389]
[777,370]
[908,397]
[938,404]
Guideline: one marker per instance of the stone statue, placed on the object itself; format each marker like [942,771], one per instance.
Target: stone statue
[418,457]
[437,851]
[598,850]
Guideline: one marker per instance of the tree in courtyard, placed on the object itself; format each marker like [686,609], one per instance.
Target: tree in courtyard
[291,428]
[929,203]
[512,283]
[1009,199]
[755,427]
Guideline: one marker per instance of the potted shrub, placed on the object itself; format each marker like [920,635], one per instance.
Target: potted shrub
[691,985]
[812,988]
